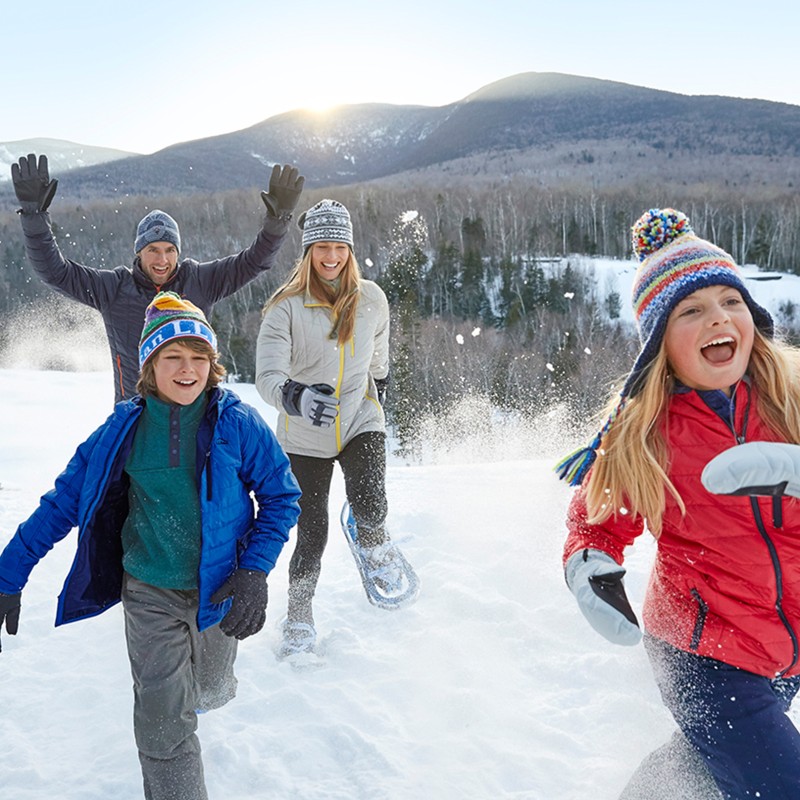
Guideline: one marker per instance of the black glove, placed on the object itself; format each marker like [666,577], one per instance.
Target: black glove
[247,616]
[285,188]
[382,385]
[9,611]
[316,403]
[32,184]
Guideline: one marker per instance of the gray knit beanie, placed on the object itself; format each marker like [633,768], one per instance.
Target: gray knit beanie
[327,221]
[157,226]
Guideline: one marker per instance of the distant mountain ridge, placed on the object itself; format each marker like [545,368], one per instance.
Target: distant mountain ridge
[546,127]
[61,155]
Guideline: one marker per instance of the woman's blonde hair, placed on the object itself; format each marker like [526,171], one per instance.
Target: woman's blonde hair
[146,384]
[633,460]
[342,296]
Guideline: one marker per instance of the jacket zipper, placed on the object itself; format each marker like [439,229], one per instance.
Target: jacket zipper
[776,565]
[700,622]
[777,515]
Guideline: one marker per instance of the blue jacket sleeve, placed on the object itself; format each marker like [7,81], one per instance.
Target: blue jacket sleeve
[267,474]
[56,515]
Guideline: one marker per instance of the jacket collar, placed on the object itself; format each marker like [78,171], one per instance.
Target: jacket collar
[143,282]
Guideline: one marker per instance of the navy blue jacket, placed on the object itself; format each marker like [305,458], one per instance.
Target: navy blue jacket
[238,461]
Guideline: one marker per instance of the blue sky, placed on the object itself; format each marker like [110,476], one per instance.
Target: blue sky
[143,75]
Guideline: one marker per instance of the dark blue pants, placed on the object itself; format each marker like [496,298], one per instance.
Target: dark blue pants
[734,719]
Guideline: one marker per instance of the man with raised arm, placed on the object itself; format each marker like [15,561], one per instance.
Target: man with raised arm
[122,294]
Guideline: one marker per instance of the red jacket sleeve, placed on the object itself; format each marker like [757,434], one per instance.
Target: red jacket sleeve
[611,536]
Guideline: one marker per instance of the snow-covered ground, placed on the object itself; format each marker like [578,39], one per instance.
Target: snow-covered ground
[491,686]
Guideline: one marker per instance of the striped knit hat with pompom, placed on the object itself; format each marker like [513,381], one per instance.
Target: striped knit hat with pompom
[168,318]
[674,263]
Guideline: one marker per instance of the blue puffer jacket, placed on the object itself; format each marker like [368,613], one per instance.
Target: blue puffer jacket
[238,460]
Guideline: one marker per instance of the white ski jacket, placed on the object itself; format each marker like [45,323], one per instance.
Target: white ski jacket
[293,343]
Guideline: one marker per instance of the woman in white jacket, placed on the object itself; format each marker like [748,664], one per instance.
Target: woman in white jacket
[322,360]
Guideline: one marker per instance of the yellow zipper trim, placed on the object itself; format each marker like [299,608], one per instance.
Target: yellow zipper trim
[337,394]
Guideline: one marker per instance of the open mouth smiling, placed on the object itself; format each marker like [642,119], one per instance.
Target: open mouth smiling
[719,350]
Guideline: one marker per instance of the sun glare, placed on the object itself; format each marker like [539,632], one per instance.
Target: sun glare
[320,106]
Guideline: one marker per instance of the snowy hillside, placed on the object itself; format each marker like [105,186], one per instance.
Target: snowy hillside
[770,289]
[491,687]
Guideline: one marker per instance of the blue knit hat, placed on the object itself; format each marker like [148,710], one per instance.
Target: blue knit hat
[168,318]
[674,263]
[157,226]
[327,221]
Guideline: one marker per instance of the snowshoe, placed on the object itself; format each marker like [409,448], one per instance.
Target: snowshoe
[298,637]
[388,579]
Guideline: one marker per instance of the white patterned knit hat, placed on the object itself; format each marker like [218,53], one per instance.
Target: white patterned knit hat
[327,221]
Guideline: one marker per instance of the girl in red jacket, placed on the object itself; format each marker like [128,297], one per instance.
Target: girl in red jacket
[722,611]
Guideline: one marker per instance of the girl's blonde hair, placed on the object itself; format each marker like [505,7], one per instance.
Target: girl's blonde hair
[146,384]
[343,300]
[632,464]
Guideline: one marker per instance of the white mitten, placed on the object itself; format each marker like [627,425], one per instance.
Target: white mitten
[755,468]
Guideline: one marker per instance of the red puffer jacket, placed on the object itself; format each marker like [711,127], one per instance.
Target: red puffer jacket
[726,578]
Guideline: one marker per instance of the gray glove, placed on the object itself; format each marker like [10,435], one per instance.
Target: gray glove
[248,612]
[10,605]
[285,188]
[32,184]
[316,403]
[596,581]
[755,468]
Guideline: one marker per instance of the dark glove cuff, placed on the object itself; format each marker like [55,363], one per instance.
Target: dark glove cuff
[291,397]
[34,223]
[276,226]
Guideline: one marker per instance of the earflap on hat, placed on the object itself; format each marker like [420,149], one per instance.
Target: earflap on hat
[170,317]
[327,221]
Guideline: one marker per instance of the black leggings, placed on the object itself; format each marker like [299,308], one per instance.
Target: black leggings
[363,463]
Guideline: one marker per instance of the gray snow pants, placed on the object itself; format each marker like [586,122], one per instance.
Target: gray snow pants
[177,671]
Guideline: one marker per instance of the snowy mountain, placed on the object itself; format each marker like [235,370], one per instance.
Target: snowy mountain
[62,156]
[550,128]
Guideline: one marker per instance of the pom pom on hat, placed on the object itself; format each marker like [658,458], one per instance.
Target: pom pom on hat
[656,228]
[157,226]
[327,221]
[170,317]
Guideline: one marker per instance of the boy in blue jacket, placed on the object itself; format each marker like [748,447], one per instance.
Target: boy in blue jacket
[163,498]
